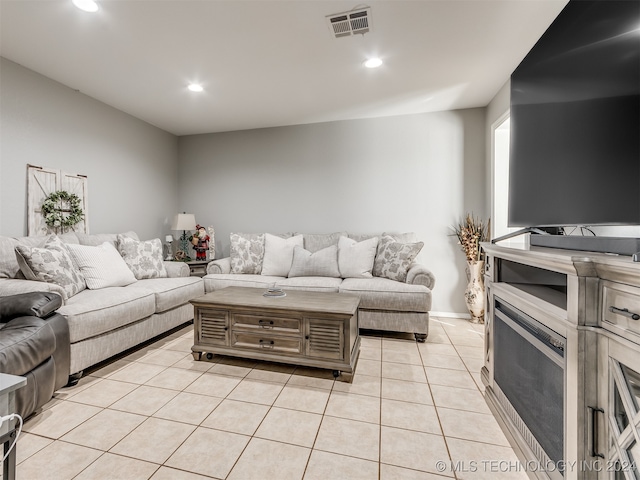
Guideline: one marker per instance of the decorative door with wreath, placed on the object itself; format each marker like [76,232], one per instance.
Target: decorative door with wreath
[57,201]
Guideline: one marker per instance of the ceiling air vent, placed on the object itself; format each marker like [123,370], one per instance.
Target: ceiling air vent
[350,23]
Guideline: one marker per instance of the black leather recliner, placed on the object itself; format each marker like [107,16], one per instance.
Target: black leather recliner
[34,343]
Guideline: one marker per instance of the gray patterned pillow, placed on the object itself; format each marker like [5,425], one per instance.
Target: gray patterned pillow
[247,252]
[394,258]
[52,264]
[144,259]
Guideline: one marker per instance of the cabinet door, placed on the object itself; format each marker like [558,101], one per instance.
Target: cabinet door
[325,338]
[213,326]
[621,384]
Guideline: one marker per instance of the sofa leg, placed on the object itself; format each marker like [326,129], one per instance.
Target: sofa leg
[420,337]
[74,379]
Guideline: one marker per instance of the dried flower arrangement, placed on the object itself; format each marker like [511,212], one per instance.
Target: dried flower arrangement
[470,232]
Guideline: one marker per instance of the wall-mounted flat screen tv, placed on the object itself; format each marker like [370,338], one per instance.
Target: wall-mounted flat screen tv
[575,120]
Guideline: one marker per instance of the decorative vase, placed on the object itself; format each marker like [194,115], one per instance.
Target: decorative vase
[474,294]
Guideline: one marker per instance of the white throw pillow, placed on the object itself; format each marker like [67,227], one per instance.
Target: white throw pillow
[355,259]
[278,254]
[323,263]
[102,266]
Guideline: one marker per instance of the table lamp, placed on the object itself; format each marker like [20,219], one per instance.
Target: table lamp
[184,221]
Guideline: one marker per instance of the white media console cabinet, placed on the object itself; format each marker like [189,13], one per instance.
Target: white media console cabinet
[562,359]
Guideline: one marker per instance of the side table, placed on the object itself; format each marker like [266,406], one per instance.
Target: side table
[198,268]
[8,386]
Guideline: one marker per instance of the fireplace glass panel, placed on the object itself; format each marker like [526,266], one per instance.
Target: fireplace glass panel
[529,370]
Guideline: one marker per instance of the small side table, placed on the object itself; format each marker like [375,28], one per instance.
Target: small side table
[198,268]
[8,386]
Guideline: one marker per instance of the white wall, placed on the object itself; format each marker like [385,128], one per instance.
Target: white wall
[408,173]
[495,112]
[131,165]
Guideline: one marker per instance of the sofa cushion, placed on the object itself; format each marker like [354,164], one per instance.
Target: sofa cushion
[247,252]
[94,312]
[355,259]
[384,294]
[9,267]
[144,259]
[25,343]
[393,258]
[171,292]
[34,304]
[101,266]
[323,263]
[100,238]
[278,254]
[314,242]
[405,237]
[51,264]
[313,284]
[8,262]
[221,280]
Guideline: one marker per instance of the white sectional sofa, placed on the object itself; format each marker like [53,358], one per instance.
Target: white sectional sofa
[385,303]
[104,322]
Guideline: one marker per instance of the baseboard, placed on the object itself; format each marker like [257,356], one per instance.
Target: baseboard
[466,316]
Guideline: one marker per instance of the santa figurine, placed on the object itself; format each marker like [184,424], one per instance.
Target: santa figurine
[200,242]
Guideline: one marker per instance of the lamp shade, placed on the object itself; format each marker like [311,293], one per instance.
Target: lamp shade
[184,221]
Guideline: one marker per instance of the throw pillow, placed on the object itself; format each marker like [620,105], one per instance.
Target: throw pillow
[394,258]
[144,259]
[247,252]
[323,263]
[101,266]
[51,263]
[278,254]
[355,259]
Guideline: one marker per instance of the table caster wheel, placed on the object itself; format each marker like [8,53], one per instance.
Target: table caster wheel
[209,356]
[336,373]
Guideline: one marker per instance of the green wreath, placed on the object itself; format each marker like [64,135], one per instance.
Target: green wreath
[62,210]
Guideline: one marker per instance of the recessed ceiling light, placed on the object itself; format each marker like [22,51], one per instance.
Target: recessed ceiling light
[373,63]
[86,5]
[194,87]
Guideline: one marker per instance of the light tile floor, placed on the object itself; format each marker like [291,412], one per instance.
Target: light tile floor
[413,411]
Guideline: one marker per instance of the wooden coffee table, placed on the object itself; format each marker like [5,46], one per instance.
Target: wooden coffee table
[312,329]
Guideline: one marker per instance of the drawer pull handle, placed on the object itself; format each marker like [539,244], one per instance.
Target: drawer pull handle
[624,312]
[594,431]
[264,344]
[265,323]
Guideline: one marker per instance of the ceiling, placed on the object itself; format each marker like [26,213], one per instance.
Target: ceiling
[270,63]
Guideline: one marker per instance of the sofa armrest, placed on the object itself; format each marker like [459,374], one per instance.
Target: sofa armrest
[420,275]
[31,304]
[222,265]
[177,269]
[13,286]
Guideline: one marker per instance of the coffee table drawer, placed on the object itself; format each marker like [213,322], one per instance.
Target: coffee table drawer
[266,322]
[266,343]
